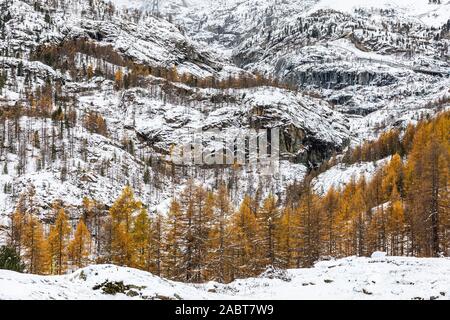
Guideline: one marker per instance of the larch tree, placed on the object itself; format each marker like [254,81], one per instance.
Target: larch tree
[219,235]
[330,205]
[17,226]
[90,71]
[359,212]
[35,253]
[80,246]
[25,207]
[140,235]
[173,74]
[58,242]
[393,176]
[121,214]
[309,213]
[118,79]
[173,244]
[268,220]
[428,184]
[187,231]
[396,223]
[92,219]
[202,215]
[378,213]
[243,231]
[156,245]
[287,238]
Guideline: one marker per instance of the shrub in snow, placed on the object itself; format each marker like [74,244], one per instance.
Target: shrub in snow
[275,273]
[10,260]
[114,287]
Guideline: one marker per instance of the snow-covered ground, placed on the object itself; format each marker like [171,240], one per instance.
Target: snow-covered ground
[341,174]
[422,10]
[378,277]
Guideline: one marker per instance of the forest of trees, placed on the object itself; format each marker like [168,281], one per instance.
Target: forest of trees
[404,209]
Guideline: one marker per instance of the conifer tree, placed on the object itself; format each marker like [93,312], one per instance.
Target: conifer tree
[358,212]
[94,221]
[428,184]
[90,72]
[121,214]
[10,259]
[267,219]
[58,242]
[395,223]
[287,237]
[220,258]
[310,227]
[393,175]
[202,215]
[35,249]
[80,246]
[18,223]
[243,240]
[140,235]
[187,231]
[330,206]
[173,74]
[156,245]
[118,79]
[378,217]
[173,260]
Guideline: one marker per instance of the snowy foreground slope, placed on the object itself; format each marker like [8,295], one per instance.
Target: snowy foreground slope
[378,277]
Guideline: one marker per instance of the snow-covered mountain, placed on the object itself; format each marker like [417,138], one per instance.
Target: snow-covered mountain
[359,67]
[378,277]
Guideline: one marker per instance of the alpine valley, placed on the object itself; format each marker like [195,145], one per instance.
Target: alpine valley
[95,96]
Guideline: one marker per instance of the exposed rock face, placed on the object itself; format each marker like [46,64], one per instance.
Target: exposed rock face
[372,51]
[301,147]
[338,79]
[148,40]
[309,130]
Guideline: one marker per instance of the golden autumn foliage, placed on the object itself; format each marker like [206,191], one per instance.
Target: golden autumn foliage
[118,79]
[243,229]
[403,209]
[35,248]
[80,246]
[220,255]
[267,221]
[406,209]
[90,71]
[17,230]
[58,242]
[140,235]
[427,186]
[95,123]
[172,246]
[122,220]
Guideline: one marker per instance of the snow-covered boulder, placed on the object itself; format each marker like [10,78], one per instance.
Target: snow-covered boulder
[378,255]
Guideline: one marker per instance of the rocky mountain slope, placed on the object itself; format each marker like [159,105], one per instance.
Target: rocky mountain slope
[364,57]
[349,72]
